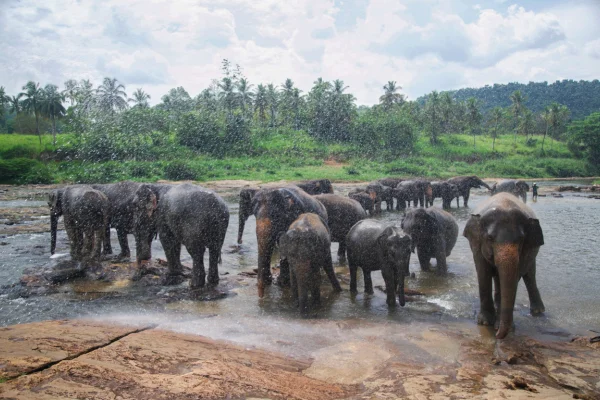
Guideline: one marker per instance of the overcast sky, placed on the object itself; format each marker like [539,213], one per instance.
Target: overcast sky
[421,44]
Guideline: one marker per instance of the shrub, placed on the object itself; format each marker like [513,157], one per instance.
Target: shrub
[179,171]
[38,174]
[13,170]
[19,151]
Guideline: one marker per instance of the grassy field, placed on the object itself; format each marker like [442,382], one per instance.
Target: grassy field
[295,156]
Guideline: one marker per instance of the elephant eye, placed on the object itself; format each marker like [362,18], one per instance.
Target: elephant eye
[489,237]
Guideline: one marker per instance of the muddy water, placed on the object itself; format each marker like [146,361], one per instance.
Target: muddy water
[568,276]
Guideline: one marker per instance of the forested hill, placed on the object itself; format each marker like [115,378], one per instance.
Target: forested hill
[582,98]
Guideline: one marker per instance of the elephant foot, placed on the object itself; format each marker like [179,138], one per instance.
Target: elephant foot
[174,278]
[486,319]
[283,281]
[123,257]
[369,291]
[391,302]
[213,280]
[537,310]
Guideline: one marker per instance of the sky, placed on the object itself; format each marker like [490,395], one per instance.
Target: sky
[423,45]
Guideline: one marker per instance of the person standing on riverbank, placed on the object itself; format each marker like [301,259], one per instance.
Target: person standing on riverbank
[534,189]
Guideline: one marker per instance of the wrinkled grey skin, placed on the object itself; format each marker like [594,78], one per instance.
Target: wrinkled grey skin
[318,186]
[433,232]
[465,183]
[306,247]
[342,214]
[373,245]
[505,237]
[364,199]
[418,191]
[120,196]
[446,191]
[197,218]
[245,209]
[518,188]
[275,210]
[145,216]
[85,213]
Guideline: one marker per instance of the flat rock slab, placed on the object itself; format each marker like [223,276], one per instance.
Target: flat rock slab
[157,364]
[28,347]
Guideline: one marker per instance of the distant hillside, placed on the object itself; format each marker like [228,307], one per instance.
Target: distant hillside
[582,98]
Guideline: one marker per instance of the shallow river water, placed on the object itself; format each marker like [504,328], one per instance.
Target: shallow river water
[568,278]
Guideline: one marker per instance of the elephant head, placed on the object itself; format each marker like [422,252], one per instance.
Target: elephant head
[476,183]
[325,186]
[393,249]
[55,199]
[503,237]
[421,226]
[145,203]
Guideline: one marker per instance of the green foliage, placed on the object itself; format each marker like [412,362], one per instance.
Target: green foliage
[387,133]
[179,171]
[584,138]
[16,169]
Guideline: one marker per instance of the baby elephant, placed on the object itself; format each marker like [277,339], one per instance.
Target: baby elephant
[372,245]
[307,247]
[433,232]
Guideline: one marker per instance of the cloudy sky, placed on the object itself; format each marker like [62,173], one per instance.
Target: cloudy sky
[421,44]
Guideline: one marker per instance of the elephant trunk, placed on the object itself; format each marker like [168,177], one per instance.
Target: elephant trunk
[53,226]
[242,223]
[485,185]
[506,258]
[264,238]
[401,298]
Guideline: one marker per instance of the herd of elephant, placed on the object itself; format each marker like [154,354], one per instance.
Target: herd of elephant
[303,220]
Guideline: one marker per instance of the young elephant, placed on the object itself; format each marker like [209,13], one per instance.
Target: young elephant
[306,246]
[505,237]
[518,188]
[447,191]
[372,245]
[364,199]
[85,212]
[433,233]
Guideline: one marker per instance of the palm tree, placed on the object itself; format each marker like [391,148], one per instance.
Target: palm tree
[261,103]
[140,98]
[447,106]
[496,118]
[245,94]
[70,92]
[390,97]
[558,115]
[52,106]
[33,98]
[474,116]
[547,117]
[4,99]
[16,107]
[111,96]
[517,99]
[527,124]
[227,95]
[432,110]
[273,100]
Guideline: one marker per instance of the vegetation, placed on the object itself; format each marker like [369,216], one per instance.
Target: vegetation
[234,129]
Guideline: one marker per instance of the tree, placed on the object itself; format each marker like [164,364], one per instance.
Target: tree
[4,100]
[433,116]
[245,95]
[227,95]
[261,103]
[70,92]
[286,103]
[177,101]
[583,138]
[473,116]
[496,117]
[33,98]
[527,124]
[207,100]
[273,100]
[52,106]
[16,107]
[547,118]
[111,96]
[517,108]
[447,109]
[559,114]
[140,98]
[390,96]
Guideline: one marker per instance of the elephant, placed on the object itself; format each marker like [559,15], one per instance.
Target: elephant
[388,197]
[145,215]
[517,187]
[318,186]
[85,212]
[418,191]
[465,183]
[364,199]
[342,214]
[275,209]
[197,218]
[245,209]
[433,233]
[391,182]
[375,190]
[505,237]
[374,245]
[307,248]
[447,191]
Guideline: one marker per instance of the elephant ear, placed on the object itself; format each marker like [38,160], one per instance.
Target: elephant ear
[151,204]
[534,236]
[473,228]
[291,202]
[383,238]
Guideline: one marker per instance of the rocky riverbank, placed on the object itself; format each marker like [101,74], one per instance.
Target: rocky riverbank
[91,359]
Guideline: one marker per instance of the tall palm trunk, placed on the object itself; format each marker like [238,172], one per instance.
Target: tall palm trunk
[37,126]
[53,130]
[544,138]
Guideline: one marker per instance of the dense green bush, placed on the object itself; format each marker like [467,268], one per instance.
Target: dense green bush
[179,171]
[13,170]
[18,151]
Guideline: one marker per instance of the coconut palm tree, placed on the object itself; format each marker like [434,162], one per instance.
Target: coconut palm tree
[111,96]
[33,100]
[227,94]
[245,94]
[4,100]
[390,96]
[433,116]
[473,116]
[261,103]
[16,107]
[517,99]
[52,106]
[273,100]
[496,118]
[140,98]
[70,92]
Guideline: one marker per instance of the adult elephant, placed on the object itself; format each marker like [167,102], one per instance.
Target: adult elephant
[388,197]
[375,190]
[465,183]
[404,193]
[197,218]
[505,237]
[433,233]
[518,188]
[364,199]
[391,182]
[317,186]
[342,214]
[275,210]
[446,191]
[85,212]
[245,209]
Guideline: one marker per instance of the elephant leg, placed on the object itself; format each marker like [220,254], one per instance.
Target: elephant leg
[440,257]
[390,286]
[368,281]
[353,268]
[107,246]
[198,273]
[172,249]
[536,304]
[303,295]
[424,258]
[315,285]
[327,265]
[342,249]
[294,286]
[487,312]
[466,198]
[284,273]
[457,201]
[88,243]
[497,295]
[213,265]
[524,196]
[74,239]
[122,236]
[98,238]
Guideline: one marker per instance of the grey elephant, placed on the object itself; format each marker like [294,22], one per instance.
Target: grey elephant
[375,190]
[391,182]
[342,214]
[433,233]
[317,186]
[505,237]
[465,184]
[365,200]
[447,191]
[418,191]
[388,197]
[518,188]
[197,218]
[306,247]
[85,213]
[374,245]
[245,209]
